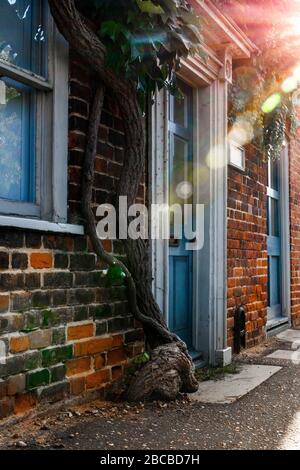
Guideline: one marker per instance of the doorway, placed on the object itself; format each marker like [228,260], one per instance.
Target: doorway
[278,242]
[180,129]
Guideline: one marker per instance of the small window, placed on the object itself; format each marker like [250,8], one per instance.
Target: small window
[32,75]
[236,156]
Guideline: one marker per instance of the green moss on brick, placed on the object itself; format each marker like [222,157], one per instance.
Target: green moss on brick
[32,321]
[58,335]
[53,356]
[37,378]
[49,318]
[33,360]
[29,330]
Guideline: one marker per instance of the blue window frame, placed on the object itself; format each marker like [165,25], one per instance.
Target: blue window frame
[23,56]
[17,138]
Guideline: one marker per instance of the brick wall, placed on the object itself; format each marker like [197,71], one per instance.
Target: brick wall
[62,331]
[295,229]
[247,249]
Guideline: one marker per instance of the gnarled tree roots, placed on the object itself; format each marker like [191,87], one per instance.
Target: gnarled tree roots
[169,372]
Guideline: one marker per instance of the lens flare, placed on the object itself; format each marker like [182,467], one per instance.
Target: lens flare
[184,190]
[216,158]
[271,103]
[289,85]
[242,131]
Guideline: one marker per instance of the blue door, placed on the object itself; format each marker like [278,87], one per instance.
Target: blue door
[274,241]
[180,126]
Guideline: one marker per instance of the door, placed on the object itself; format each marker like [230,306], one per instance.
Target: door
[180,127]
[274,241]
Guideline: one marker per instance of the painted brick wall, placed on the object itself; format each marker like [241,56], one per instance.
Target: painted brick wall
[247,249]
[62,331]
[295,228]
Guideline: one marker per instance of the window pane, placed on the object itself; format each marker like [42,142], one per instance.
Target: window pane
[22,35]
[274,175]
[17,159]
[179,170]
[274,281]
[180,110]
[274,218]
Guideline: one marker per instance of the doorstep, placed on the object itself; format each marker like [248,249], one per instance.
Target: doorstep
[276,325]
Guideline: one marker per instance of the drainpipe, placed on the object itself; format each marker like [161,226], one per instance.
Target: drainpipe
[239,329]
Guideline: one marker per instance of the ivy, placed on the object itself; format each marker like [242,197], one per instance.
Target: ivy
[258,93]
[146,39]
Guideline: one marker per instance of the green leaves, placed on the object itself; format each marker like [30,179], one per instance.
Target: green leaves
[146,6]
[113,29]
[146,39]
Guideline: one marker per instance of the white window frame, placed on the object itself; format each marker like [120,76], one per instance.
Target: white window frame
[49,213]
[235,146]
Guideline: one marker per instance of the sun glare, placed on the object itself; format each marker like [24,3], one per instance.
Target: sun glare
[271,103]
[289,85]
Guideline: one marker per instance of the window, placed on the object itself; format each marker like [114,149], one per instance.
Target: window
[236,155]
[33,112]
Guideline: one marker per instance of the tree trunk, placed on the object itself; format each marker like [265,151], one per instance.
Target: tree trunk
[170,369]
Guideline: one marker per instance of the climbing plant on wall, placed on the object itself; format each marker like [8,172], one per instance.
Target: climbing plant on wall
[261,97]
[133,47]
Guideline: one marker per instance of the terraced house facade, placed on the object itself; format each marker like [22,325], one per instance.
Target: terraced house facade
[63,332]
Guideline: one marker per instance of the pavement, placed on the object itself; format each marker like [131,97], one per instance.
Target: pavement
[266,416]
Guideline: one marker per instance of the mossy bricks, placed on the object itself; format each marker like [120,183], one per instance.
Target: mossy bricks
[37,378]
[58,373]
[20,363]
[56,354]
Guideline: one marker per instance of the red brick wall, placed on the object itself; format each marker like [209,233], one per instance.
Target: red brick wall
[110,151]
[247,249]
[63,332]
[295,228]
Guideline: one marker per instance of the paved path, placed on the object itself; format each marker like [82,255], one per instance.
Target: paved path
[266,418]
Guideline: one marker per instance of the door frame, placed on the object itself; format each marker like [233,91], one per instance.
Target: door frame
[285,319]
[210,264]
[224,41]
[185,133]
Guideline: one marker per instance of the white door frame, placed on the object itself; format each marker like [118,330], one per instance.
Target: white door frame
[285,320]
[224,40]
[210,277]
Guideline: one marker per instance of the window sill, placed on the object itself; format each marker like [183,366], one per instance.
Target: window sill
[40,225]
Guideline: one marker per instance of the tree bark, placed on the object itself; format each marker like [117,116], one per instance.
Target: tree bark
[168,353]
